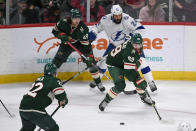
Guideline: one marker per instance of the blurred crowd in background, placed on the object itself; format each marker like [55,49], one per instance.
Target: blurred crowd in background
[51,11]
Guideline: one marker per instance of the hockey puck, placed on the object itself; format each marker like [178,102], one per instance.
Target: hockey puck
[122,123]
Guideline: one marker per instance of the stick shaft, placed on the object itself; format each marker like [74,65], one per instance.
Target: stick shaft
[6,109]
[153,105]
[127,93]
[85,57]
[64,82]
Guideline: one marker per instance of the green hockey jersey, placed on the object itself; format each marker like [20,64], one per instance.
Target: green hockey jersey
[79,34]
[124,56]
[42,93]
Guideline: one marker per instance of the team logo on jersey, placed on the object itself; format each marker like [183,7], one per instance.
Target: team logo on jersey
[118,36]
[131,59]
[126,17]
[97,24]
[60,83]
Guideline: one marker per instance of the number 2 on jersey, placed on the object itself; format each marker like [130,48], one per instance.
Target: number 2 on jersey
[38,86]
[116,50]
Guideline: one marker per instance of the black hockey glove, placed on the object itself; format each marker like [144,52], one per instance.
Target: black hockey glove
[90,60]
[63,38]
[62,103]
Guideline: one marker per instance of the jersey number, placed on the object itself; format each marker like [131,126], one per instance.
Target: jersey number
[38,86]
[116,50]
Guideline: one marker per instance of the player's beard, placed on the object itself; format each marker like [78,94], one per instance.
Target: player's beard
[117,21]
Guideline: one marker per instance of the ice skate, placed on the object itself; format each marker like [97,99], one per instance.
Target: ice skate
[92,84]
[103,105]
[147,100]
[101,87]
[152,86]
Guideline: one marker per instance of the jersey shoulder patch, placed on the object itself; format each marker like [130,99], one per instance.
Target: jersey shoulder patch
[65,20]
[126,17]
[83,28]
[58,81]
[104,17]
[62,22]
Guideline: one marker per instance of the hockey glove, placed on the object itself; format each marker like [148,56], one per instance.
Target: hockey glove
[138,63]
[92,36]
[90,60]
[63,103]
[63,38]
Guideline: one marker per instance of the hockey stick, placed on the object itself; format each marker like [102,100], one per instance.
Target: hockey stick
[74,76]
[153,105]
[52,114]
[83,56]
[132,92]
[64,82]
[7,109]
[126,92]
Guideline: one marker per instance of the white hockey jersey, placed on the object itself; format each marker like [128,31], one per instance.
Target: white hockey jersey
[117,33]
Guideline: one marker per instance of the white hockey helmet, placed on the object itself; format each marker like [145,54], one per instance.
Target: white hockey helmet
[184,126]
[116,10]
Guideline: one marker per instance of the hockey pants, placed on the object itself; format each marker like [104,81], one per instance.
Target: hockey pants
[118,75]
[31,119]
[65,51]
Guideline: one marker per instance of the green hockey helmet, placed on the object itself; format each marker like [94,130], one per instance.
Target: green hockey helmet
[137,39]
[50,69]
[75,13]
[136,42]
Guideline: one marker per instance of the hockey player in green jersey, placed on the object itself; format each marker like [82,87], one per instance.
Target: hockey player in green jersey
[74,31]
[32,107]
[123,61]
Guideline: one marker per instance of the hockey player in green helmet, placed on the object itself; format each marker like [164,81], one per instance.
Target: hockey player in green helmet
[74,31]
[33,104]
[118,26]
[123,61]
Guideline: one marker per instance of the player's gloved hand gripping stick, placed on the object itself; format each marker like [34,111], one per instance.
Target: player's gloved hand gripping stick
[153,105]
[84,57]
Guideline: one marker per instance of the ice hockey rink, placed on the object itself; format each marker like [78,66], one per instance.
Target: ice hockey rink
[175,101]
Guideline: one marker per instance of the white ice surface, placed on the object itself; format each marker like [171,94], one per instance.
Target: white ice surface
[175,101]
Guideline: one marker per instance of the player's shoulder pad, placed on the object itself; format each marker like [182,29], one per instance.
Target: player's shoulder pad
[83,27]
[59,82]
[56,80]
[105,17]
[82,24]
[61,22]
[126,16]
[65,20]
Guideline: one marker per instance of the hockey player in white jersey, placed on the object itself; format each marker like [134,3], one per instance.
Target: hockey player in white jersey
[119,27]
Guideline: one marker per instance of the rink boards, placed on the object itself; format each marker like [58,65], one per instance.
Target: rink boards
[169,49]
